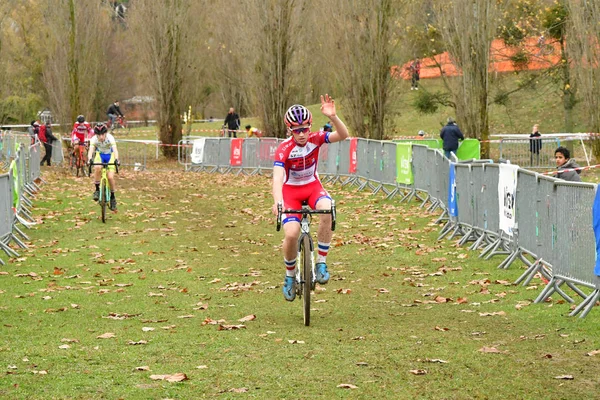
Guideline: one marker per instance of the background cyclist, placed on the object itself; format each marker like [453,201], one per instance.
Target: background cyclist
[103,149]
[295,179]
[113,112]
[81,133]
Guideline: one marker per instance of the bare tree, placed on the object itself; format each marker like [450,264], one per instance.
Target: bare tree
[468,28]
[164,35]
[258,54]
[363,50]
[584,45]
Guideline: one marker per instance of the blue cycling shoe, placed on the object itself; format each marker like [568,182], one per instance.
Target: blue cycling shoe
[322,274]
[289,288]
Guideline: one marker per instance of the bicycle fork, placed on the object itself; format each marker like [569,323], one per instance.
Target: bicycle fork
[305,230]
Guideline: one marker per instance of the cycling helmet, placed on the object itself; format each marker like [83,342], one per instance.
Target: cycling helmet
[297,115]
[80,119]
[100,128]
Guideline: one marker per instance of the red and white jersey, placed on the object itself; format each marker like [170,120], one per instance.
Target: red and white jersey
[82,131]
[300,162]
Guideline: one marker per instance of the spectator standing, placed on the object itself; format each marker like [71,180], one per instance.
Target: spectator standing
[415,74]
[232,121]
[33,130]
[113,112]
[451,134]
[565,162]
[46,137]
[535,145]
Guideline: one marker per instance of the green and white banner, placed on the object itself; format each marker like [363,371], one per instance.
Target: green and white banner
[404,172]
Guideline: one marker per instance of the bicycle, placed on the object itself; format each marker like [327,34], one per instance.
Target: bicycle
[104,198]
[120,123]
[305,267]
[77,162]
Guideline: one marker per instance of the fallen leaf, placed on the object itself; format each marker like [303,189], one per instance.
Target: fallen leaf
[107,335]
[238,390]
[347,386]
[170,378]
[131,342]
[418,371]
[147,329]
[565,377]
[230,327]
[593,353]
[143,368]
[486,349]
[247,318]
[437,328]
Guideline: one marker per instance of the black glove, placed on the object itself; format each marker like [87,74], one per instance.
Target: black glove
[118,163]
[91,161]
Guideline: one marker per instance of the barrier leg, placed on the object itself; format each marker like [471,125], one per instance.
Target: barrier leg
[528,275]
[10,252]
[587,304]
[509,260]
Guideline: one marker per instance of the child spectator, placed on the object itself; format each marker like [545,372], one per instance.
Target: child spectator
[565,162]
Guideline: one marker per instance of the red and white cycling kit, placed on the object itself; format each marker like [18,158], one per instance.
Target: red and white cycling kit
[301,181]
[81,132]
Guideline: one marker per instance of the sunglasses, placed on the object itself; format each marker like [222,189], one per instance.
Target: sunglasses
[301,130]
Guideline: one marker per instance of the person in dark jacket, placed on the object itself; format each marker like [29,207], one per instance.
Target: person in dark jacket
[46,137]
[232,121]
[451,134]
[535,145]
[565,162]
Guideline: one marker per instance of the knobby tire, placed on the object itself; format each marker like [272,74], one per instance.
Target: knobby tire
[103,202]
[306,277]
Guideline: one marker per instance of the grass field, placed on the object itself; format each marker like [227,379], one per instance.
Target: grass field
[186,279]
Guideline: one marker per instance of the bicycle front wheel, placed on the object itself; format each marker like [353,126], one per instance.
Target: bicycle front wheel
[103,202]
[306,277]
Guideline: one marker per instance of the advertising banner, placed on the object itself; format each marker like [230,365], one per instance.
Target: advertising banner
[235,157]
[469,149]
[353,155]
[452,203]
[198,151]
[507,191]
[596,223]
[404,173]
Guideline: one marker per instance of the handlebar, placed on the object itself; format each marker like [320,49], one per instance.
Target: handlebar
[306,211]
[105,165]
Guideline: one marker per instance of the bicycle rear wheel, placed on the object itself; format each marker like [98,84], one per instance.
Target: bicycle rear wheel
[306,277]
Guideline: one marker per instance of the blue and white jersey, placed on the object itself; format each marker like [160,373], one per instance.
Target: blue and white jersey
[104,147]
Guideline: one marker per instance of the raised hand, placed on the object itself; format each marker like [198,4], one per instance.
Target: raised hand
[328,106]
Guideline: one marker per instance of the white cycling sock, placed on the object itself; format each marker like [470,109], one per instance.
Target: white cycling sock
[290,267]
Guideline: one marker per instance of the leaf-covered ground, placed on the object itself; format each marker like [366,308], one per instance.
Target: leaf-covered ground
[178,295]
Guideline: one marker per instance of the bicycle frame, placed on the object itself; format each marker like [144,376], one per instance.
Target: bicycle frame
[104,198]
[305,269]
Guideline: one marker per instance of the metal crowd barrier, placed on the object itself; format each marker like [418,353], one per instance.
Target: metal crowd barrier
[17,188]
[530,153]
[552,236]
[132,153]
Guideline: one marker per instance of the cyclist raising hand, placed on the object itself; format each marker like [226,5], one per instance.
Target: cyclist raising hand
[295,180]
[103,149]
